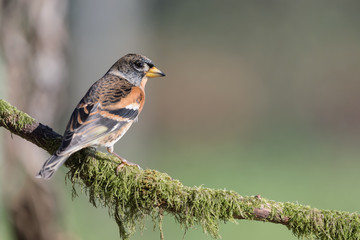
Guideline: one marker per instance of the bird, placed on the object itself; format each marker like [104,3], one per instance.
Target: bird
[106,112]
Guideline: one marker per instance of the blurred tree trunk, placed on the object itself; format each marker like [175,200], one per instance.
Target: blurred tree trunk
[33,36]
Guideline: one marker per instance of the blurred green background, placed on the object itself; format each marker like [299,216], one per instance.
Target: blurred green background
[260,97]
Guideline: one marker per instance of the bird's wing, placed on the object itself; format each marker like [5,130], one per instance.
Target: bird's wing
[104,109]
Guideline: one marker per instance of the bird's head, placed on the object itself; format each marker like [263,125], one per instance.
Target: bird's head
[135,68]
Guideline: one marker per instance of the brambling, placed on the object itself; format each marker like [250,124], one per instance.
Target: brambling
[106,112]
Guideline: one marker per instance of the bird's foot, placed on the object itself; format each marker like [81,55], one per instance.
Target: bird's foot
[125,163]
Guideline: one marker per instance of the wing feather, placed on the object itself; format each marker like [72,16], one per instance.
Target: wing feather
[99,114]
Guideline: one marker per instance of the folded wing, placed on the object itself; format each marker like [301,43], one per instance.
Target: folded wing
[97,116]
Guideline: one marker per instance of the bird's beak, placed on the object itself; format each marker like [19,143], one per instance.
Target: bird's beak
[154,72]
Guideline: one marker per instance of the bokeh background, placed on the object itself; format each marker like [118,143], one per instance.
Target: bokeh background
[260,97]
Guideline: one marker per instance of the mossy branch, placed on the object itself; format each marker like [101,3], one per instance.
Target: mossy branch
[134,194]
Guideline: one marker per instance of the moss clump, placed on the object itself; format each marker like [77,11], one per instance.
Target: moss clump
[307,222]
[135,194]
[10,114]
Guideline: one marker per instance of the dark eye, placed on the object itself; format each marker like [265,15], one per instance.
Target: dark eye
[139,64]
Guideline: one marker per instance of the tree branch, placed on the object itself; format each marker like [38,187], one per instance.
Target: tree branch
[134,194]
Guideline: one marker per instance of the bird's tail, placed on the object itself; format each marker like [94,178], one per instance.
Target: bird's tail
[51,165]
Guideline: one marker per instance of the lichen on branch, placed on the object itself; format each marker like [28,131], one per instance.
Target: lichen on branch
[133,194]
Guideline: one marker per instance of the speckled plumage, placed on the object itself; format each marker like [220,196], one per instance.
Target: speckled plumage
[107,110]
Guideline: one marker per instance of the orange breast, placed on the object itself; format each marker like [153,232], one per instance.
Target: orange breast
[137,95]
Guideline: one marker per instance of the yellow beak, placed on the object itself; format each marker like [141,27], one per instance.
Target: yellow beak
[154,72]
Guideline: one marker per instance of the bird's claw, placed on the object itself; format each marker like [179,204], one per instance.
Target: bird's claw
[125,163]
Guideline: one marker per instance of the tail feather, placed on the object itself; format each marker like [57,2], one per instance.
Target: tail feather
[51,165]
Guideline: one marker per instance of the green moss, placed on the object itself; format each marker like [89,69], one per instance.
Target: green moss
[11,114]
[134,194]
[322,224]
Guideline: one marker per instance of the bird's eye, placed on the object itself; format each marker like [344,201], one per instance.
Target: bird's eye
[139,65]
